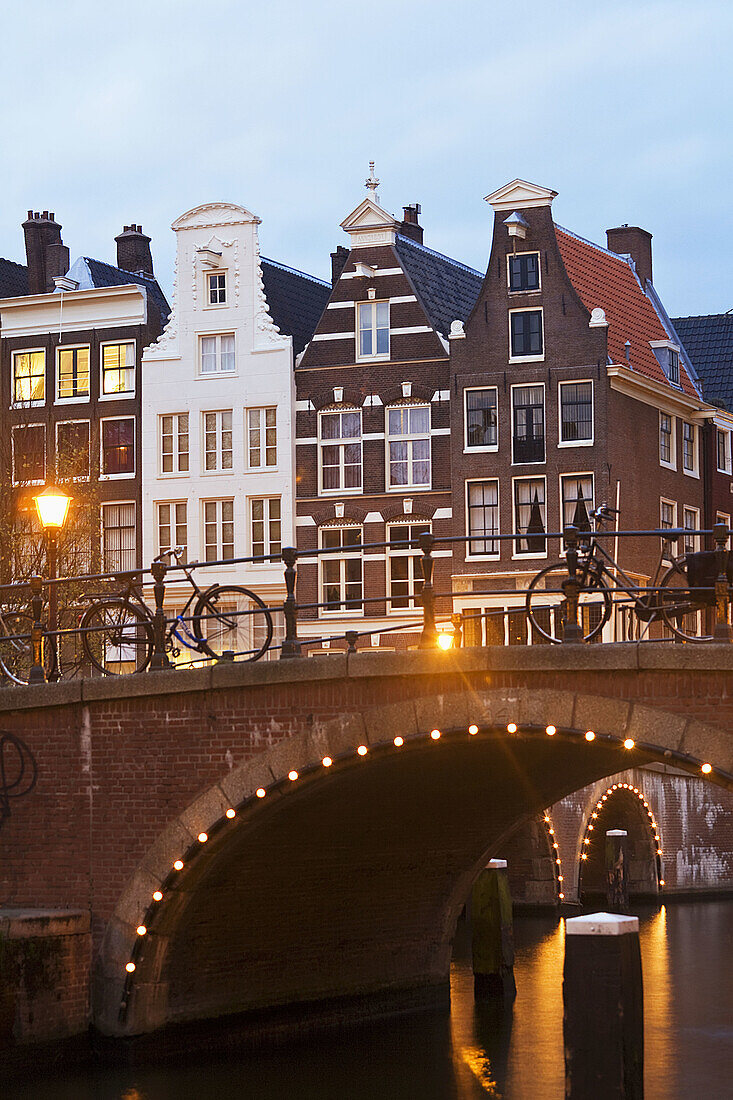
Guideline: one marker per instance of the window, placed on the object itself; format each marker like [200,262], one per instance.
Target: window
[691,522]
[525,332]
[262,437]
[341,577]
[667,520]
[218,529]
[481,418]
[689,448]
[217,354]
[29,377]
[666,440]
[72,450]
[723,438]
[118,369]
[217,284]
[576,412]
[528,441]
[483,517]
[174,443]
[118,447]
[118,537]
[72,366]
[408,441]
[722,517]
[173,526]
[29,454]
[529,515]
[265,529]
[524,271]
[673,366]
[405,573]
[340,450]
[218,440]
[577,500]
[373,329]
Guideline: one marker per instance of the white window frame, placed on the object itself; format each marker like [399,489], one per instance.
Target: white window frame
[673,505]
[343,612]
[123,395]
[489,447]
[723,517]
[563,443]
[695,513]
[176,452]
[218,373]
[117,477]
[527,252]
[536,358]
[36,403]
[341,443]
[70,480]
[173,524]
[414,571]
[726,469]
[22,427]
[116,503]
[566,477]
[218,501]
[381,356]
[262,430]
[267,521]
[695,471]
[470,556]
[672,464]
[530,554]
[668,345]
[524,386]
[79,399]
[219,468]
[408,438]
[207,289]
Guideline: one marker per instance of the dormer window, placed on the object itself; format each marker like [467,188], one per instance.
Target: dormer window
[673,368]
[524,271]
[373,334]
[217,288]
[668,357]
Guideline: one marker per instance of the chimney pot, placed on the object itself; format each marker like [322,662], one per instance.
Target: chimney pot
[46,254]
[410,224]
[133,250]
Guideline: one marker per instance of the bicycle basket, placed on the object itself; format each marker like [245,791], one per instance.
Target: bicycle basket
[702,570]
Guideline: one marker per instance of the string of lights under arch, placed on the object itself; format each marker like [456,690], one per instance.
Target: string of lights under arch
[652,821]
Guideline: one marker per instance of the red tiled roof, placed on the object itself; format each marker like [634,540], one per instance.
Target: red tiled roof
[602,279]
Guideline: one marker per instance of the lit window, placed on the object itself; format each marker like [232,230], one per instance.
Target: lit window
[172,526]
[341,577]
[373,329]
[266,528]
[483,517]
[217,354]
[218,529]
[528,439]
[524,271]
[73,372]
[118,447]
[29,454]
[481,418]
[218,440]
[174,443]
[72,449]
[525,330]
[217,284]
[529,515]
[408,440]
[689,448]
[118,537]
[262,437]
[691,523]
[576,412]
[577,500]
[666,440]
[340,450]
[724,451]
[29,377]
[118,369]
[405,573]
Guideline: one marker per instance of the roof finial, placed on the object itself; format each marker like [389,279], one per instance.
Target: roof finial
[372,183]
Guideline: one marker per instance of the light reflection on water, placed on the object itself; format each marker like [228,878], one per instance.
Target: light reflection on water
[480,1051]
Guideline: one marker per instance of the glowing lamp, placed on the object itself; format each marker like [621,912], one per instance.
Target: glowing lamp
[178,865]
[293,775]
[706,769]
[231,813]
[157,895]
[52,506]
[362,750]
[512,727]
[327,761]
[473,730]
[629,744]
[260,792]
[550,731]
[445,641]
[203,837]
[590,736]
[141,930]
[435,734]
[130,968]
[399,742]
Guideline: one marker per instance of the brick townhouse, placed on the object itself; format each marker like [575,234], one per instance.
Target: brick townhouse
[373,428]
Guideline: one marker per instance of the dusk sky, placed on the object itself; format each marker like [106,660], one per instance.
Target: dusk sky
[139,111]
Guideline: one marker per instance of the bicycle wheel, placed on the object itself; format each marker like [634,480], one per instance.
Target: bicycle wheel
[231,619]
[16,656]
[117,637]
[687,614]
[545,604]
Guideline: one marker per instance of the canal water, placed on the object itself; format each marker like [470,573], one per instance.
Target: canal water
[472,1052]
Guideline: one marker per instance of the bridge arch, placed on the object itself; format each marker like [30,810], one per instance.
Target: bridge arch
[622,806]
[272,903]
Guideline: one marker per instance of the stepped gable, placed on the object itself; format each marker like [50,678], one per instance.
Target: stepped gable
[605,279]
[91,273]
[708,340]
[447,289]
[295,300]
[13,279]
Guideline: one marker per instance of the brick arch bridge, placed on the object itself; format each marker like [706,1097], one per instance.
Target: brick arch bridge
[304,882]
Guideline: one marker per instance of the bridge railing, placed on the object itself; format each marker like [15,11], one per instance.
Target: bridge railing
[584,577]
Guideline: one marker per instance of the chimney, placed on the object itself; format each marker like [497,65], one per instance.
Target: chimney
[637,243]
[133,250]
[338,263]
[410,224]
[46,254]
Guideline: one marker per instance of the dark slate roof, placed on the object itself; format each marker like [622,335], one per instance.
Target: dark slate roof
[295,300]
[709,344]
[13,279]
[102,274]
[447,289]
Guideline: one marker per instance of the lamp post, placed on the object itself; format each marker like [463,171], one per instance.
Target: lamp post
[52,506]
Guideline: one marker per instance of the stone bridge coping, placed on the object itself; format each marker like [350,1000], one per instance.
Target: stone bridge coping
[634,657]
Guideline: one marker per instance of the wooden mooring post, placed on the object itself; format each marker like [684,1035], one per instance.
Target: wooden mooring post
[617,871]
[492,933]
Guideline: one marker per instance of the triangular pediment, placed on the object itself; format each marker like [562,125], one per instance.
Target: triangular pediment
[519,194]
[368,215]
[213,214]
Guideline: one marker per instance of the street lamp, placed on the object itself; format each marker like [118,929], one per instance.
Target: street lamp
[52,506]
